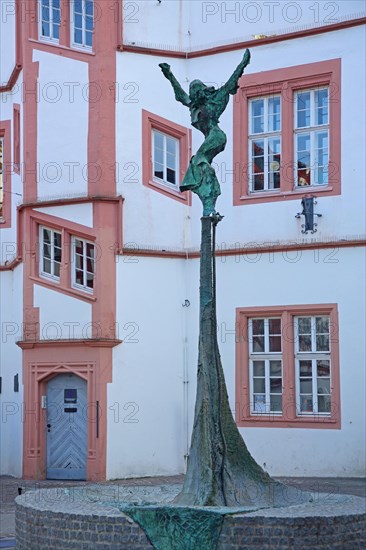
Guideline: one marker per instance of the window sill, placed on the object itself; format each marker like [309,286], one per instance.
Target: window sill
[54,285]
[273,196]
[168,191]
[61,48]
[275,421]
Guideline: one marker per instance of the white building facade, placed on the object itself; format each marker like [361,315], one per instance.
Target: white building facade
[100,250]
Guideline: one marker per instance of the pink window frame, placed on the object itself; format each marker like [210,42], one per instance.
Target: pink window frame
[16,138]
[151,122]
[286,82]
[68,230]
[5,134]
[288,419]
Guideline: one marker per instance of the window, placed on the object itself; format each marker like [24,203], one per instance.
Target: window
[82,21]
[49,19]
[288,366]
[50,253]
[165,159]
[165,155]
[287,133]
[83,269]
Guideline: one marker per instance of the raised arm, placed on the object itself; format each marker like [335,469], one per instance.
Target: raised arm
[180,94]
[232,84]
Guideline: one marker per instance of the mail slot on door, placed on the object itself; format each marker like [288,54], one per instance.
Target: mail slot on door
[70,410]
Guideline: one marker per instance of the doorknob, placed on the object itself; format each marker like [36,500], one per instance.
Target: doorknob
[48,427]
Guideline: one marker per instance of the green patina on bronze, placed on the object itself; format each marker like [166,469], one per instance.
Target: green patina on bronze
[221,472]
[206,105]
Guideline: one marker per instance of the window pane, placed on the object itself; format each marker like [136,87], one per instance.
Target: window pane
[79,21]
[274,115]
[158,170]
[321,106]
[257,116]
[322,342]
[306,385]
[306,403]
[305,368]
[259,182]
[78,38]
[304,342]
[275,368]
[323,386]
[258,344]
[47,266]
[90,250]
[259,385]
[275,385]
[90,280]
[158,140]
[170,161]
[322,325]
[304,325]
[303,109]
[171,146]
[159,155]
[79,277]
[274,326]
[57,255]
[258,368]
[89,38]
[56,269]
[170,176]
[276,403]
[46,250]
[258,326]
[56,31]
[260,403]
[79,261]
[323,368]
[323,403]
[45,29]
[275,343]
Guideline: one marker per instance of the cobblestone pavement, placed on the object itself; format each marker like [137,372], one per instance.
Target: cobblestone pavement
[9,490]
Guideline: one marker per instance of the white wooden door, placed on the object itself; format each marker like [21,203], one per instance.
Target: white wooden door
[66,427]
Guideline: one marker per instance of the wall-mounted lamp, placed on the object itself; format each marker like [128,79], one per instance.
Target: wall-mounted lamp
[307,204]
[187,303]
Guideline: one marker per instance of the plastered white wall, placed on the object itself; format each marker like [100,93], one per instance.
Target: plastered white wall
[200,24]
[148,371]
[11,403]
[62,316]
[77,213]
[7,40]
[62,132]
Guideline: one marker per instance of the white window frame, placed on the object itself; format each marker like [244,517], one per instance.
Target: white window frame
[2,141]
[164,181]
[75,284]
[43,273]
[265,356]
[312,130]
[74,44]
[40,20]
[266,135]
[312,356]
